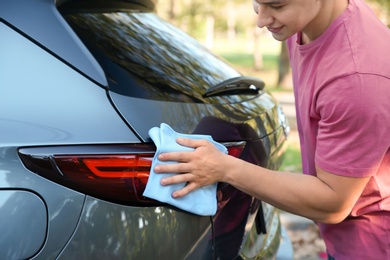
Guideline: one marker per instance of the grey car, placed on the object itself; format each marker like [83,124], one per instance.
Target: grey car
[81,83]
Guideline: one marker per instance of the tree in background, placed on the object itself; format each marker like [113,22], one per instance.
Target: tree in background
[205,19]
[283,67]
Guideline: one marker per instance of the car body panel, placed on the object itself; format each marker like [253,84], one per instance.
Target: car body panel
[43,102]
[137,233]
[25,215]
[176,114]
[49,200]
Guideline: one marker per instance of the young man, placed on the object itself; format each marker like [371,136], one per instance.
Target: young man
[340,60]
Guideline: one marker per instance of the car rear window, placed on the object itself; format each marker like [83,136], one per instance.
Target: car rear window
[144,56]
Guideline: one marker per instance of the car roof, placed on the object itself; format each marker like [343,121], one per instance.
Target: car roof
[144,5]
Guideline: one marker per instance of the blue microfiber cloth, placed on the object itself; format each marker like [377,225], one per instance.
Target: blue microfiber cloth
[202,201]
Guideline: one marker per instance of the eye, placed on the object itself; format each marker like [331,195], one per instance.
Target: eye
[276,7]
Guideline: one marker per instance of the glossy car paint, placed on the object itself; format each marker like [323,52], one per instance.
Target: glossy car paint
[55,98]
[23,212]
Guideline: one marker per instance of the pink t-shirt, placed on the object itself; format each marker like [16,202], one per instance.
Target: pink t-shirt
[342,93]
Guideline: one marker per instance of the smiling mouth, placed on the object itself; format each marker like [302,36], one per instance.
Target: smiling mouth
[275,29]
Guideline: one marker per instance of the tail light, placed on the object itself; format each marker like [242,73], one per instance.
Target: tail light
[115,177]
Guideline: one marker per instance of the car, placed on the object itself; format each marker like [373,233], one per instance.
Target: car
[81,84]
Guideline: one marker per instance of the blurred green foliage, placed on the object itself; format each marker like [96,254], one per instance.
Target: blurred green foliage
[292,159]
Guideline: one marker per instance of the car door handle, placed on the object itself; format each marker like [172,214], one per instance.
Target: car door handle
[236,86]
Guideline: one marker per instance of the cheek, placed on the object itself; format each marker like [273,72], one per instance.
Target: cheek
[294,23]
[297,25]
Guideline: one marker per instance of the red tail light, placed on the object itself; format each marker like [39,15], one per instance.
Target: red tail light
[106,166]
[236,150]
[119,178]
[126,166]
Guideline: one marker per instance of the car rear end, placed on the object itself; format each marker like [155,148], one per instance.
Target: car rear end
[81,84]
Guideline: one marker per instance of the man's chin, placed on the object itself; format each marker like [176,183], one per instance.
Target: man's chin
[280,37]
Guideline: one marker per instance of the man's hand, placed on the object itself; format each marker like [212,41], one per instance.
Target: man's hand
[201,167]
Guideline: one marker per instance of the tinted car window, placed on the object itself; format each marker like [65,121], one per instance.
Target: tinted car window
[146,57]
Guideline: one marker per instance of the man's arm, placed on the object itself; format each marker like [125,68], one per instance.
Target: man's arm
[326,198]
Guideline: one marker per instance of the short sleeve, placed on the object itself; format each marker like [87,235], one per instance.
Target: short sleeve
[353,127]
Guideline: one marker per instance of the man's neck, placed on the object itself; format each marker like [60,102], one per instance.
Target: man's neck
[330,10]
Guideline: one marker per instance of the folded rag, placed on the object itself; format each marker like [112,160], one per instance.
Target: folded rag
[202,201]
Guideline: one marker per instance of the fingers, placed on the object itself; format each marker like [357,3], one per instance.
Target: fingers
[175,179]
[194,143]
[172,168]
[183,156]
[180,178]
[184,191]
[186,166]
[174,156]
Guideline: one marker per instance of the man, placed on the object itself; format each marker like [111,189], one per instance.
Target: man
[340,60]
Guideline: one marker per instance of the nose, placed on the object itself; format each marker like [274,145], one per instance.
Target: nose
[264,18]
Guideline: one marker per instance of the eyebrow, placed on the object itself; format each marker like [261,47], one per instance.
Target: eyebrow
[270,2]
